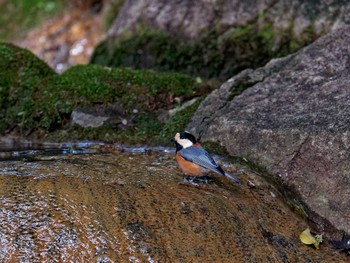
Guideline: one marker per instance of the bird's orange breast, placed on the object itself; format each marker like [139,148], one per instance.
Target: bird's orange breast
[188,167]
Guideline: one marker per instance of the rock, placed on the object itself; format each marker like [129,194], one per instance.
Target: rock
[293,120]
[193,18]
[87,120]
[211,38]
[172,112]
[100,115]
[133,206]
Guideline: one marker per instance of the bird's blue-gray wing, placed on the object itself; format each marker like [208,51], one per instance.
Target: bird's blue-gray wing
[201,157]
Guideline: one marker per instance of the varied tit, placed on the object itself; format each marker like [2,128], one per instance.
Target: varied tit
[193,159]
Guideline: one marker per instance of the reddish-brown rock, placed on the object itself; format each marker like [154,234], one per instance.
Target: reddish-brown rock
[133,207]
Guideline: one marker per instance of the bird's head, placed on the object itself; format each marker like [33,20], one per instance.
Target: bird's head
[184,139]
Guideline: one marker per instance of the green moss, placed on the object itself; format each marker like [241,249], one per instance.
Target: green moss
[267,35]
[87,85]
[178,122]
[20,75]
[33,97]
[215,55]
[95,82]
[161,51]
[111,11]
[215,147]
[104,133]
[148,130]
[239,87]
[306,37]
[143,50]
[290,43]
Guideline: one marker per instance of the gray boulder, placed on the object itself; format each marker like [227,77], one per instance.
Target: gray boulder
[100,115]
[293,120]
[194,17]
[211,38]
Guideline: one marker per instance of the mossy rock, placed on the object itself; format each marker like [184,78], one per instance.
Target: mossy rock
[111,11]
[88,85]
[178,122]
[34,98]
[216,54]
[20,75]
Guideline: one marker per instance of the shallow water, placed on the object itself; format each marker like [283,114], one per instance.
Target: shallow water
[93,202]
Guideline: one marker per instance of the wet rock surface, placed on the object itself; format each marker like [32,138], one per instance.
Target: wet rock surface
[132,206]
[293,120]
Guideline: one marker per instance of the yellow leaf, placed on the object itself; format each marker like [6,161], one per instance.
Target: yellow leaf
[308,239]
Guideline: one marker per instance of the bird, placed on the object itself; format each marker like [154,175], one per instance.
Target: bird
[193,159]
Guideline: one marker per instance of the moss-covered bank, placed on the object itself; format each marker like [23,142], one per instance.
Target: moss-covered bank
[35,99]
[217,54]
[21,73]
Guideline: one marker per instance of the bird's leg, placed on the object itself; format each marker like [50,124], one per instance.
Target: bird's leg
[202,179]
[195,179]
[189,179]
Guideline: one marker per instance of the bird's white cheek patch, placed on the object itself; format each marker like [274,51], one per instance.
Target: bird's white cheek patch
[185,143]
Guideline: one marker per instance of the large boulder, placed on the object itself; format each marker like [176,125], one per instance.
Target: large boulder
[293,120]
[212,38]
[131,206]
[193,18]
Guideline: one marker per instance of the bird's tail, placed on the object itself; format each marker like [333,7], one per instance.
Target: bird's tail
[233,177]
